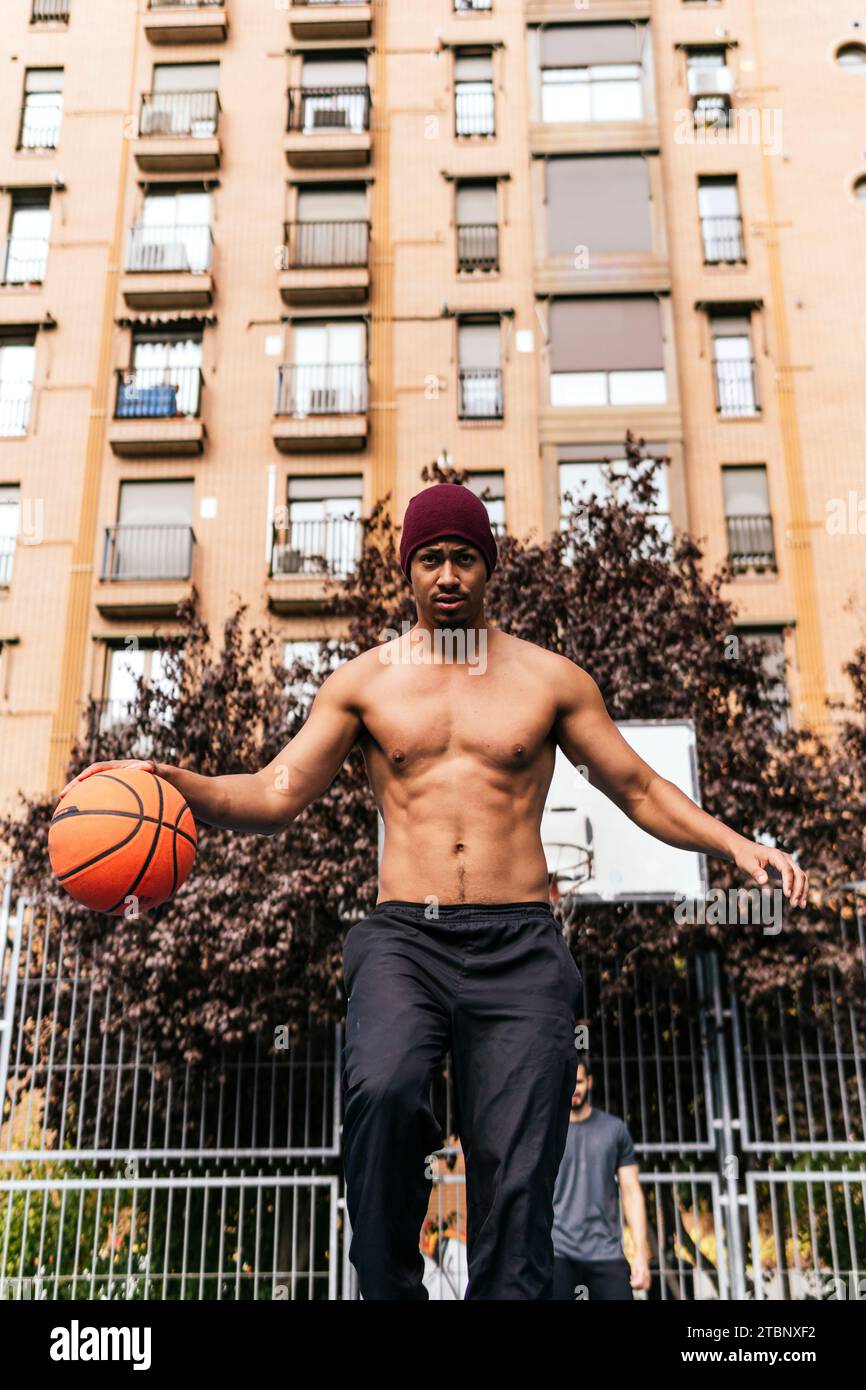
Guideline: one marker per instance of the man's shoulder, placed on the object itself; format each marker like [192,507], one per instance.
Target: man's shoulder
[531,653]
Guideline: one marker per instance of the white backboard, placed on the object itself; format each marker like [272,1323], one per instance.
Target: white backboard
[595,851]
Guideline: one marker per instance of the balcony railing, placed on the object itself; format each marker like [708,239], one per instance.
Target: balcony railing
[466,6]
[480,393]
[25,260]
[185,4]
[321,244]
[713,111]
[723,239]
[478,246]
[148,552]
[328,546]
[185,248]
[750,542]
[47,11]
[330,389]
[736,386]
[14,407]
[316,109]
[179,113]
[7,554]
[157,393]
[40,123]
[327,2]
[474,112]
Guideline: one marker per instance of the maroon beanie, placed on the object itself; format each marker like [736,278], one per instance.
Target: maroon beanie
[446,509]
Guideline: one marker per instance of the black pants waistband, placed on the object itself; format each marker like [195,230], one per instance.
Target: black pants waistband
[448,911]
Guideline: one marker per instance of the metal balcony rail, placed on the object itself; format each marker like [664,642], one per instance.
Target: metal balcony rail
[156,393]
[326,2]
[736,386]
[171,248]
[148,552]
[723,239]
[179,113]
[185,4]
[327,389]
[712,111]
[14,407]
[478,246]
[44,11]
[321,244]
[480,393]
[750,542]
[40,125]
[466,6]
[313,109]
[474,112]
[331,545]
[7,553]
[25,259]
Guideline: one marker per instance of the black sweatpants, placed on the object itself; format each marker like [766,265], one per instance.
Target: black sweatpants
[604,1280]
[497,985]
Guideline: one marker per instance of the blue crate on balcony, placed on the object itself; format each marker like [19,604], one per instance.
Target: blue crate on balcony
[155,401]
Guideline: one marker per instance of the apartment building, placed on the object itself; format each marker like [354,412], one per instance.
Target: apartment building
[261,262]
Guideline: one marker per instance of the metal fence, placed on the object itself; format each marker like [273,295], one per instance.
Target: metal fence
[118,1180]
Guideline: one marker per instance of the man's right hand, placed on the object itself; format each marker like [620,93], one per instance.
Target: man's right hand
[129,763]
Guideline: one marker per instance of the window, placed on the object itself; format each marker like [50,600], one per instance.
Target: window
[580,479]
[771,642]
[477,226]
[184,100]
[598,202]
[174,232]
[153,537]
[165,377]
[710,85]
[125,668]
[479,347]
[490,487]
[474,105]
[721,223]
[733,366]
[27,242]
[323,534]
[9,514]
[852,56]
[17,362]
[328,374]
[592,72]
[334,96]
[606,351]
[42,110]
[747,517]
[332,227]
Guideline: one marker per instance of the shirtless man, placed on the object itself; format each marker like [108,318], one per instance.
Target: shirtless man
[462,950]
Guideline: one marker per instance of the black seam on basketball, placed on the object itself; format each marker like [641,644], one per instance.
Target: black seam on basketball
[151,820]
[103,854]
[112,777]
[130,892]
[174,852]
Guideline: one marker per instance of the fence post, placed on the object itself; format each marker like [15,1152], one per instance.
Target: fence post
[9,953]
[726,1145]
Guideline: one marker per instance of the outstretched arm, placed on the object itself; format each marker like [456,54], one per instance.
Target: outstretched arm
[264,802]
[589,738]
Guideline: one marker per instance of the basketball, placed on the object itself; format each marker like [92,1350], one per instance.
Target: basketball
[122,842]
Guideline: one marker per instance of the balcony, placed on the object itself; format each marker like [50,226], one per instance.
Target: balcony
[50,12]
[303,554]
[330,19]
[321,408]
[723,240]
[750,543]
[7,555]
[736,387]
[25,260]
[168,267]
[474,113]
[156,412]
[480,394]
[178,132]
[325,262]
[186,21]
[478,246]
[15,397]
[146,570]
[472,6]
[328,127]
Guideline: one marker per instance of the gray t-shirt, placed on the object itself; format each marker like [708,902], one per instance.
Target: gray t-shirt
[586,1222]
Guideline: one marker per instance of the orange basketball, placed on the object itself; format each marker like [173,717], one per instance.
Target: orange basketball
[122,841]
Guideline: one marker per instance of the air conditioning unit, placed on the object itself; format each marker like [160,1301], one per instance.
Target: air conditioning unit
[287,560]
[710,82]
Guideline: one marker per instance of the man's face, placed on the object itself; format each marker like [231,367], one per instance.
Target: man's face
[449,577]
[581,1089]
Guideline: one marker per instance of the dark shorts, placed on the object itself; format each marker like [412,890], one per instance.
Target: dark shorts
[498,986]
[593,1280]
